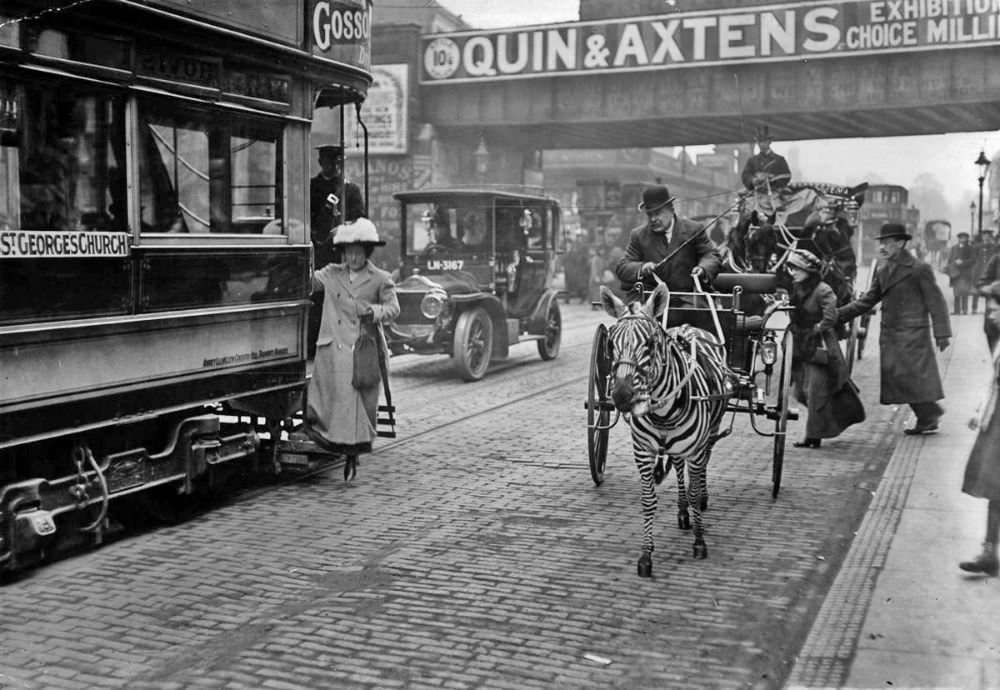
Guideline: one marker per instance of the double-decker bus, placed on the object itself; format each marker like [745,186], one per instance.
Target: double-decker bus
[885,203]
[155,253]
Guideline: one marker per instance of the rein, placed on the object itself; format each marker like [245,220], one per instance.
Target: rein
[661,334]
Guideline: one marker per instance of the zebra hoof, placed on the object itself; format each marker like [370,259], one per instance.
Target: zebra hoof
[645,565]
[683,521]
[658,472]
[700,551]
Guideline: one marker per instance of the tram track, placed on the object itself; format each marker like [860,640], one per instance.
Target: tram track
[429,398]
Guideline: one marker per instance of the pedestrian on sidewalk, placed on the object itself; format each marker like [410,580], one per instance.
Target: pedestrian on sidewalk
[961,264]
[819,370]
[982,471]
[910,295]
[989,274]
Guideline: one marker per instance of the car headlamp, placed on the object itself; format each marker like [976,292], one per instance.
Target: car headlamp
[434,303]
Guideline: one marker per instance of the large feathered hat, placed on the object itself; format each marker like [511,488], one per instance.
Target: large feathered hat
[360,231]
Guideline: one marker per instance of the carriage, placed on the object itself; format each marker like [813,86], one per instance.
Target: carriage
[819,217]
[758,361]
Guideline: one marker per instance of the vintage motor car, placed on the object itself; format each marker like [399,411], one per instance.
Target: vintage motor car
[476,270]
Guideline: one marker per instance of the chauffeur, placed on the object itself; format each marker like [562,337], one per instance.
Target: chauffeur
[667,247]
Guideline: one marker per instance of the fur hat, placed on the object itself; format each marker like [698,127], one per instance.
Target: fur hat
[361,231]
[806,260]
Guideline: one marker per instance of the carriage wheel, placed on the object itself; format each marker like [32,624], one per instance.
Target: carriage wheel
[781,424]
[852,346]
[598,404]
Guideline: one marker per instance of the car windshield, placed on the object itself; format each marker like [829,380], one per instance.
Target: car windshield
[475,225]
[464,226]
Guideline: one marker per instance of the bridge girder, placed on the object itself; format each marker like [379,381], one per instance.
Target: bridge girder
[895,95]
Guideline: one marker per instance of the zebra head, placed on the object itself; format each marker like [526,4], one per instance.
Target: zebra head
[637,342]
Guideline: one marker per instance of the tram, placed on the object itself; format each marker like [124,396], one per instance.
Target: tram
[155,254]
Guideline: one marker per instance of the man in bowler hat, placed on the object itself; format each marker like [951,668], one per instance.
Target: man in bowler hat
[910,296]
[667,247]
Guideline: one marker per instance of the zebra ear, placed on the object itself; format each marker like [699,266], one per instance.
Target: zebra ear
[614,306]
[657,301]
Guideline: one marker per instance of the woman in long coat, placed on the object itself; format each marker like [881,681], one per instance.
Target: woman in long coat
[910,296]
[818,366]
[341,411]
[982,471]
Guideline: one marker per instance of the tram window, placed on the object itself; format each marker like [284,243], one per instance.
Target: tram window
[67,161]
[203,172]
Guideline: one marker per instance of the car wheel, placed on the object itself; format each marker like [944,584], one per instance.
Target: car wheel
[473,344]
[548,346]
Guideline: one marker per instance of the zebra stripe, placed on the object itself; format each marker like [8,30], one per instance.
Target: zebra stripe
[673,383]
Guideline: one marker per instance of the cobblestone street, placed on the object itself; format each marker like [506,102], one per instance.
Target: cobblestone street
[472,554]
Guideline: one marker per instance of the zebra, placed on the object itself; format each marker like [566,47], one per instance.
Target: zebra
[674,385]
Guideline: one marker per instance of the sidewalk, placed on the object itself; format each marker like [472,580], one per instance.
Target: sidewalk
[900,613]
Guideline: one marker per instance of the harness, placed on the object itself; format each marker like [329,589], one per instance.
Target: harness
[660,336]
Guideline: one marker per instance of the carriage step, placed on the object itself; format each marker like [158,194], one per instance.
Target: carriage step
[600,406]
[774,413]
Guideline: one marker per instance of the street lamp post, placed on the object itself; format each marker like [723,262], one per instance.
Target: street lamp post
[983,163]
[972,217]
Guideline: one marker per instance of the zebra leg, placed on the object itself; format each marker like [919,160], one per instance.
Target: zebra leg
[659,470]
[645,464]
[696,495]
[683,518]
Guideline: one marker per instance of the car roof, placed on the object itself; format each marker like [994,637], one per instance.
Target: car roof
[470,193]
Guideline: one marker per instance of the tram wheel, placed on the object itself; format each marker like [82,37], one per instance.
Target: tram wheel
[598,404]
[781,423]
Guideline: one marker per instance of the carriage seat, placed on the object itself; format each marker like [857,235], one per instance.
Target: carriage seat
[752,283]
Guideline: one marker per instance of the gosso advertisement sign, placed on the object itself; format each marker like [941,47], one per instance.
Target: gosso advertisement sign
[782,31]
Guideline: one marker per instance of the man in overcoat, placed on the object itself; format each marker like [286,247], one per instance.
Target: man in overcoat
[765,168]
[910,297]
[667,247]
[961,263]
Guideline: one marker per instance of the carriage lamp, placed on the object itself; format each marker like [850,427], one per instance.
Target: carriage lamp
[434,303]
[768,352]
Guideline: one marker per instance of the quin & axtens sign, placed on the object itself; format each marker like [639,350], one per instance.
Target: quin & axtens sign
[782,31]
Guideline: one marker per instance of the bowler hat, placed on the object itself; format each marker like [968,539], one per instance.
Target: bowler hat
[991,290]
[360,231]
[655,198]
[962,234]
[891,231]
